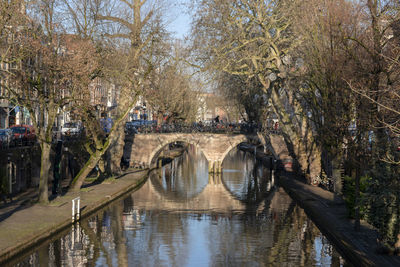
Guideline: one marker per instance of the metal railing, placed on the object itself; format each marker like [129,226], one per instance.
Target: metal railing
[243,128]
[222,128]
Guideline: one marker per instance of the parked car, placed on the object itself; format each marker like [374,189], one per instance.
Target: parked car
[23,134]
[6,137]
[71,128]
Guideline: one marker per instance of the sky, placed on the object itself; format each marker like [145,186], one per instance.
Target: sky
[180,19]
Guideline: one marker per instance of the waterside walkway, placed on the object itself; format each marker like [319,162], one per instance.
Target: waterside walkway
[24,225]
[329,214]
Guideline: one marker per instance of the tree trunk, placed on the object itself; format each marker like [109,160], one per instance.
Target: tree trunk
[357,201]
[314,161]
[336,174]
[306,150]
[120,239]
[44,173]
[116,133]
[116,150]
[86,169]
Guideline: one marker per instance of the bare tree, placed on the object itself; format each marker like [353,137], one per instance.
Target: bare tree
[169,91]
[376,80]
[136,28]
[44,68]
[253,39]
[351,74]
[81,16]
[245,95]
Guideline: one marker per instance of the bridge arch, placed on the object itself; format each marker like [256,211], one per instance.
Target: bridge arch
[167,141]
[233,144]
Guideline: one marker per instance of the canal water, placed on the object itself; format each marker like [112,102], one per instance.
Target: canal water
[183,217]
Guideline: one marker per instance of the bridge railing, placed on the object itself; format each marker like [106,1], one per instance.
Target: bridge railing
[223,128]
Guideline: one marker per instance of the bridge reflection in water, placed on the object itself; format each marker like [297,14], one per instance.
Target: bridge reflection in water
[183,217]
[185,185]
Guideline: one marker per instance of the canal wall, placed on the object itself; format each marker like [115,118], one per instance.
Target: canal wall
[19,169]
[329,213]
[30,225]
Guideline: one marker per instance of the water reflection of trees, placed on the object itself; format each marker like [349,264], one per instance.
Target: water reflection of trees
[245,177]
[281,234]
[185,176]
[276,233]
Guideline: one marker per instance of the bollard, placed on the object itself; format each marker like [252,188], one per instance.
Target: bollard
[76,215]
[73,210]
[78,210]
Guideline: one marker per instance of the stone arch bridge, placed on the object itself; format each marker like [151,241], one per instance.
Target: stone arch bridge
[215,146]
[146,147]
